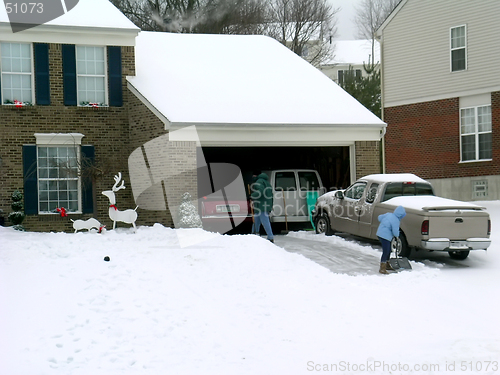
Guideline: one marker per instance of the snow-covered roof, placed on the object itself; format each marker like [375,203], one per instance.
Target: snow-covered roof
[238,79]
[86,13]
[354,52]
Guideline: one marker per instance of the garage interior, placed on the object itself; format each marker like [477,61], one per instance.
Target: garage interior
[332,163]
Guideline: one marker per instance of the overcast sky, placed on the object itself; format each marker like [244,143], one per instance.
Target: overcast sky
[346,29]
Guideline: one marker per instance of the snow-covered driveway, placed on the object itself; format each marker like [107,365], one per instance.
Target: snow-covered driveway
[351,255]
[337,254]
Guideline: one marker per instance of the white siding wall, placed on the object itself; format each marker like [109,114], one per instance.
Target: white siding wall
[416,51]
[331,71]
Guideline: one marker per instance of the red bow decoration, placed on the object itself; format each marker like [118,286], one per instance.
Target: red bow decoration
[62,210]
[18,103]
[94,105]
[112,205]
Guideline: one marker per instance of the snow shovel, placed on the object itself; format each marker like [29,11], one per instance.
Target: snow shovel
[251,210]
[286,217]
[398,263]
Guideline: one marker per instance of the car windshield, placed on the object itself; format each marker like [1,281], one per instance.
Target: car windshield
[398,189]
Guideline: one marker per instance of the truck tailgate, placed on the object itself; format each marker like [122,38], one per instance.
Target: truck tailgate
[458,225]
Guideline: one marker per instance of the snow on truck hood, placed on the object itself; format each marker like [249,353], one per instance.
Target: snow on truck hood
[429,202]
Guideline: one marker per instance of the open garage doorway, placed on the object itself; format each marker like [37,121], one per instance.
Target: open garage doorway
[332,163]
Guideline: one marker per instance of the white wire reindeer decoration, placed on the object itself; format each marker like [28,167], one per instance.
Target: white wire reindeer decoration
[127,216]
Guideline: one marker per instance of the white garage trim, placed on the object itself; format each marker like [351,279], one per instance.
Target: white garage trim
[281,135]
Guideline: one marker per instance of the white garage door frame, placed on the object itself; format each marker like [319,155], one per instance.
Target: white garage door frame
[280,136]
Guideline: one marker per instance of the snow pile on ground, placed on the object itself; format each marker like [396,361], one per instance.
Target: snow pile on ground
[234,305]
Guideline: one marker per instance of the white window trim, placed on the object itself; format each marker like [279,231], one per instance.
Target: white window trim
[106,96]
[476,134]
[452,49]
[60,139]
[32,58]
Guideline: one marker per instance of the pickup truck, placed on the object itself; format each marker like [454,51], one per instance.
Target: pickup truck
[291,189]
[431,222]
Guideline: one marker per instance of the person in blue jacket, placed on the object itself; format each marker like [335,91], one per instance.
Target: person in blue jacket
[388,228]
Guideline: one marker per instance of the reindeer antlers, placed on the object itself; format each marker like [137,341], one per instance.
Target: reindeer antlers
[117,180]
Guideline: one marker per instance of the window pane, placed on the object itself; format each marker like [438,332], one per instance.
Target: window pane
[91,71]
[484,119]
[458,37]
[468,148]
[458,59]
[308,181]
[355,191]
[485,146]
[468,121]
[58,184]
[285,181]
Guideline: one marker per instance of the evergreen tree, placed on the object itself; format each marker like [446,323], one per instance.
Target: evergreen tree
[17,216]
[365,89]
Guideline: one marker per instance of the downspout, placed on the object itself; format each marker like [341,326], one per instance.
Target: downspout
[380,39]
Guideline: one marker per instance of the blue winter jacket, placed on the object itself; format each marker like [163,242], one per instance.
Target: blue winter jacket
[389,223]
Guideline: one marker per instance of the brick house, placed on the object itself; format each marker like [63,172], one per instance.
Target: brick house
[441,95]
[80,95]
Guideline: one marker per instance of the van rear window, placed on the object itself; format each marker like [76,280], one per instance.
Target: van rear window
[308,181]
[398,189]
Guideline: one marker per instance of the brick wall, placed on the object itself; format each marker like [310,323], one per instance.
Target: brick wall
[424,139]
[169,158]
[367,158]
[105,128]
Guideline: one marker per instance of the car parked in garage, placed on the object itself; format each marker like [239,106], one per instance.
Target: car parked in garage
[293,191]
[431,222]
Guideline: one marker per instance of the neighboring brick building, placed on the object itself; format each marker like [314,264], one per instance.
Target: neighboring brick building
[441,95]
[71,119]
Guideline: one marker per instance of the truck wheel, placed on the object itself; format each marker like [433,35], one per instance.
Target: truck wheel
[405,250]
[322,224]
[459,255]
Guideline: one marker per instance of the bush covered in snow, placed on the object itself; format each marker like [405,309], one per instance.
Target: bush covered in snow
[188,214]
[17,216]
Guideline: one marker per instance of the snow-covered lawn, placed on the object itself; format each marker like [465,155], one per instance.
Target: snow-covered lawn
[235,305]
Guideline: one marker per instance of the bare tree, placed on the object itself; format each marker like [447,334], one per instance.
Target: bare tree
[160,15]
[305,26]
[200,16]
[233,17]
[370,14]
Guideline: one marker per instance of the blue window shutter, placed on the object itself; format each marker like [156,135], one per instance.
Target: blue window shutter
[69,74]
[115,76]
[42,79]
[88,157]
[30,180]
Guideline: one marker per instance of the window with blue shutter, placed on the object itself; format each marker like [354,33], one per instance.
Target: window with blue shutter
[42,79]
[30,180]
[82,76]
[69,74]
